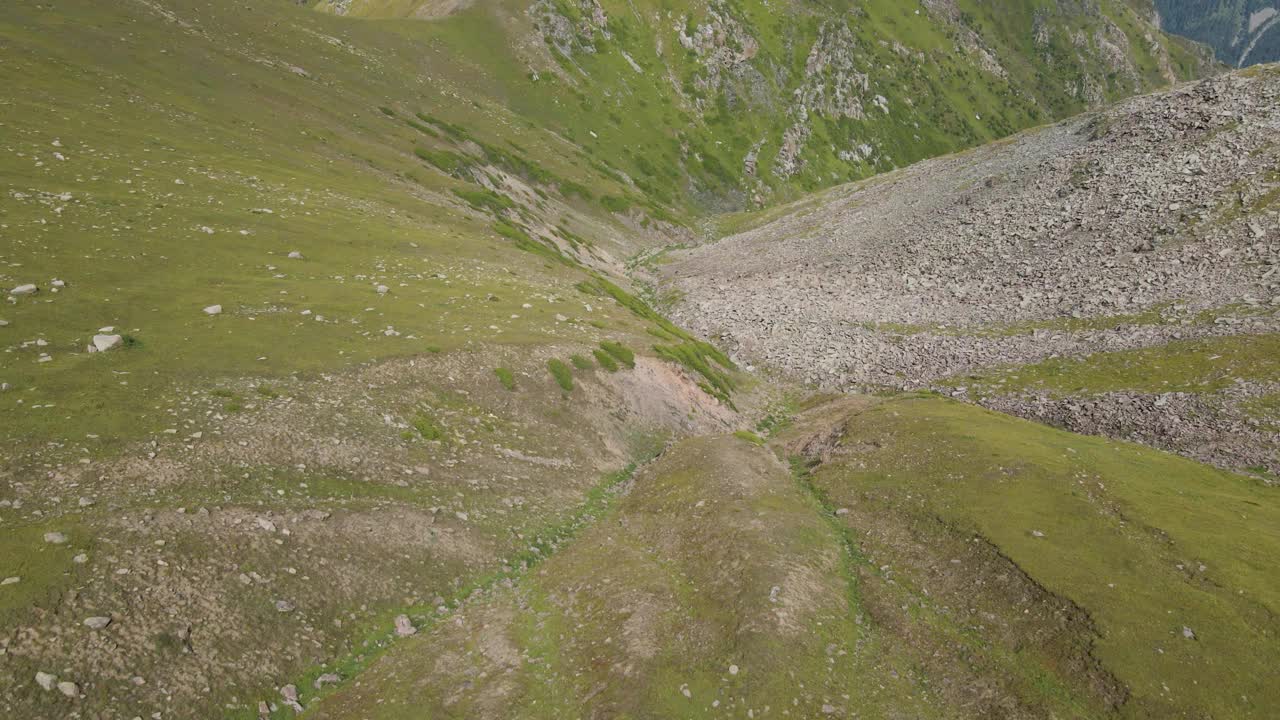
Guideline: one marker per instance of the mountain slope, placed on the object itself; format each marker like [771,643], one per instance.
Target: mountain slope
[925,558]
[750,100]
[1114,273]
[317,329]
[1241,32]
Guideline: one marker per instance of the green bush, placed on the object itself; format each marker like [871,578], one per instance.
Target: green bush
[620,352]
[443,160]
[606,360]
[562,374]
[485,200]
[506,377]
[427,427]
[581,363]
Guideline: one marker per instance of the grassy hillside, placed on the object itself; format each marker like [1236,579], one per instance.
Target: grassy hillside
[922,556]
[739,102]
[377,353]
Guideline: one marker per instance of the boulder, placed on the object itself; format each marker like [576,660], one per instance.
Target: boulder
[213,310]
[97,622]
[46,680]
[103,343]
[27,289]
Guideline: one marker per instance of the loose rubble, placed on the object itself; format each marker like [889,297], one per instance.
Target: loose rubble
[1151,222]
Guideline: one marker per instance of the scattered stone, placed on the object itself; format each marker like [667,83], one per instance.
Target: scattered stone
[1037,533]
[24,290]
[213,310]
[326,679]
[103,343]
[80,559]
[55,538]
[266,524]
[383,289]
[58,283]
[733,669]
[284,606]
[290,695]
[97,622]
[404,626]
[1188,633]
[46,680]
[295,255]
[68,688]
[4,323]
[11,580]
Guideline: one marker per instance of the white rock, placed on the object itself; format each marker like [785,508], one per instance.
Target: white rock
[14,579]
[404,627]
[104,343]
[55,538]
[4,323]
[58,283]
[213,310]
[97,622]
[27,289]
[108,329]
[295,255]
[46,680]
[68,688]
[383,289]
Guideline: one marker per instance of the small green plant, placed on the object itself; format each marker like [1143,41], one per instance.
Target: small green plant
[581,363]
[605,359]
[443,160]
[506,377]
[750,437]
[427,427]
[266,391]
[387,111]
[485,200]
[620,352]
[562,374]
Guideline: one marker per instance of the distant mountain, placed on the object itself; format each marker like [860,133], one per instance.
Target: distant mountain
[1241,32]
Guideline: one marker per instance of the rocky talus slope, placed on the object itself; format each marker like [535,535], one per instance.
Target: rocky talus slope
[1151,228]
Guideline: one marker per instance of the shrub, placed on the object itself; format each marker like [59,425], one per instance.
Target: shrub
[506,377]
[606,360]
[485,200]
[562,374]
[620,352]
[581,363]
[427,427]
